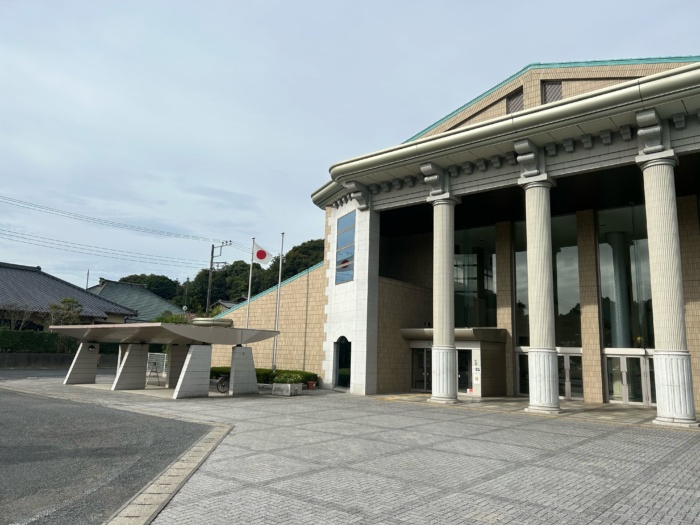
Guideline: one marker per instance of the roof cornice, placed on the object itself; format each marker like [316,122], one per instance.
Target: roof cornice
[634,95]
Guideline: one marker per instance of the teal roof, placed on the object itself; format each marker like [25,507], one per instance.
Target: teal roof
[135,296]
[269,290]
[553,65]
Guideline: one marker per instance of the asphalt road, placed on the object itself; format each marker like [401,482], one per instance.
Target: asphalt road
[71,463]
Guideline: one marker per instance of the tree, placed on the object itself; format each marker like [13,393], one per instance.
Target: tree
[66,312]
[15,316]
[160,285]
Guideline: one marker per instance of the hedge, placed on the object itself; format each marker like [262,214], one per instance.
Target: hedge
[12,341]
[264,375]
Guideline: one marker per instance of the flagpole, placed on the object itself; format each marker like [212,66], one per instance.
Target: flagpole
[277,312]
[250,282]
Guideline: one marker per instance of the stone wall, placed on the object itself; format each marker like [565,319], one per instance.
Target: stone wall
[300,343]
[401,305]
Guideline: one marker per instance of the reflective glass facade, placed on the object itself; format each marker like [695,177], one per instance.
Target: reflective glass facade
[625,287]
[567,307]
[345,249]
[475,277]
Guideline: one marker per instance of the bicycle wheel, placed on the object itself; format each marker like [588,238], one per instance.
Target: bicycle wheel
[222,384]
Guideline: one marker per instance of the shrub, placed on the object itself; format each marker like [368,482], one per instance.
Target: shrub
[266,375]
[289,377]
[218,371]
[12,341]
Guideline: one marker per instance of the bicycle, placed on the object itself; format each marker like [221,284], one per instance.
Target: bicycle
[222,384]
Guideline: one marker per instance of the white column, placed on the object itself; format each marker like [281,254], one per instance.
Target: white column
[242,379]
[542,356]
[132,369]
[444,353]
[674,384]
[83,370]
[176,360]
[194,378]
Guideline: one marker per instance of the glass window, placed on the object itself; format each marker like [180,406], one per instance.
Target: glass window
[625,287]
[345,249]
[567,307]
[474,277]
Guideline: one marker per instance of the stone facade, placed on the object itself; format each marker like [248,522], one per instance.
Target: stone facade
[300,343]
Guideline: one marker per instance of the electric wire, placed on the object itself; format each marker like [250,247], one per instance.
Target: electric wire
[115,254]
[112,224]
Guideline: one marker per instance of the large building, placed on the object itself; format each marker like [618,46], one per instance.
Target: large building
[541,240]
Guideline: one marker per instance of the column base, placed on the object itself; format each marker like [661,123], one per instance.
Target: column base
[443,400]
[677,423]
[547,411]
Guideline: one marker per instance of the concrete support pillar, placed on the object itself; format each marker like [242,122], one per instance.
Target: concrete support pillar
[444,353]
[674,385]
[542,356]
[194,379]
[83,370]
[243,379]
[131,374]
[620,311]
[176,360]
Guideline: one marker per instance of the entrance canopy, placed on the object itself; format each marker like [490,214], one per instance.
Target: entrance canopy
[163,333]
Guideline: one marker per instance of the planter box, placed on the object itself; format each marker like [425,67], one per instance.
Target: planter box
[286,389]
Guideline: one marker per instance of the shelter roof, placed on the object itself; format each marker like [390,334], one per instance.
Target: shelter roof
[163,333]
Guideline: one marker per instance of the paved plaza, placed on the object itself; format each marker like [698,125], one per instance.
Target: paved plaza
[328,457]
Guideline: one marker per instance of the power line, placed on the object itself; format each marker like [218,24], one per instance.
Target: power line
[115,254]
[112,224]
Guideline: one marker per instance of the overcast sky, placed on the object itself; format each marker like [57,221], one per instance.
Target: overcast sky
[219,119]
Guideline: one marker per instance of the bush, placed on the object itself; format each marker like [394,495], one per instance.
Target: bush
[36,342]
[289,377]
[218,371]
[265,375]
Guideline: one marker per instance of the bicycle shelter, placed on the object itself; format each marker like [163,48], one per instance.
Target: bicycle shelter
[189,361]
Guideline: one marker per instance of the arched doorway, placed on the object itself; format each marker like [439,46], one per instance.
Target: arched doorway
[342,352]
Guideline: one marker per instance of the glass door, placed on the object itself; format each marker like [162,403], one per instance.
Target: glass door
[570,376]
[631,380]
[464,370]
[421,373]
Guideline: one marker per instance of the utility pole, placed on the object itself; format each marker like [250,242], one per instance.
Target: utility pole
[211,270]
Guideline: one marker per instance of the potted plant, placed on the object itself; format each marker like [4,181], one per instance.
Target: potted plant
[287,384]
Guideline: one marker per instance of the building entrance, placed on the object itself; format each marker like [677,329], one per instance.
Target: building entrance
[464,371]
[570,376]
[631,380]
[421,371]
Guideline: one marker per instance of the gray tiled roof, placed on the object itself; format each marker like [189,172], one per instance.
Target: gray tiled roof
[136,296]
[29,288]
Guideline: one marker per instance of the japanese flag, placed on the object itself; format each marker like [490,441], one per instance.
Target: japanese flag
[261,255]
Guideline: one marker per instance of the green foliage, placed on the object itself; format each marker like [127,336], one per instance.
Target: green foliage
[288,377]
[161,285]
[231,281]
[169,317]
[12,341]
[344,376]
[266,376]
[66,312]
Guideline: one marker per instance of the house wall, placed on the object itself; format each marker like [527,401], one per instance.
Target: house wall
[300,343]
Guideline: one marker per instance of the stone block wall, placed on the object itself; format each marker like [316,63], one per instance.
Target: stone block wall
[689,233]
[302,316]
[592,357]
[401,305]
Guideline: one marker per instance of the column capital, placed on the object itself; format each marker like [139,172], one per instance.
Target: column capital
[537,181]
[667,157]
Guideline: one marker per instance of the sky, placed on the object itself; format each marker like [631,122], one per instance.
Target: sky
[216,120]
